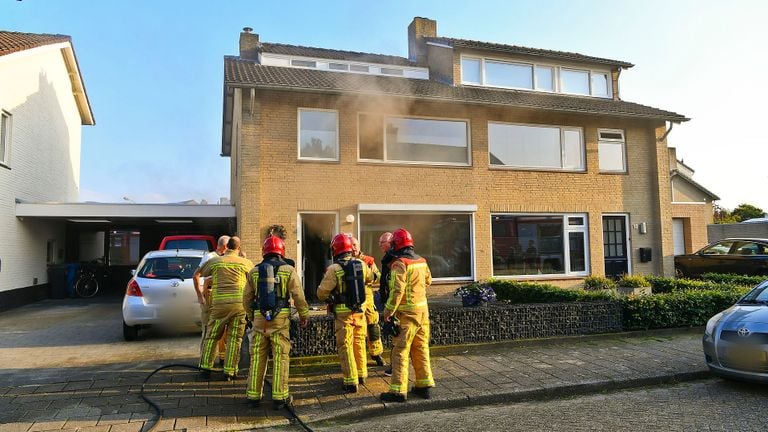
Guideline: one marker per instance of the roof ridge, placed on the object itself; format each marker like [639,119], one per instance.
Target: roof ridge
[335,50]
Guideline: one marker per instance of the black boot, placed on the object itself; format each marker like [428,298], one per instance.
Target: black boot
[379,361]
[279,404]
[255,403]
[205,374]
[361,380]
[392,397]
[349,388]
[422,392]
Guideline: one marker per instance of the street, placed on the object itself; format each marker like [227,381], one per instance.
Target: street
[711,404]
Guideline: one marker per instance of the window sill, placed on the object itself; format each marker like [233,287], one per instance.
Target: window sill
[553,170]
[614,172]
[541,277]
[413,164]
[325,161]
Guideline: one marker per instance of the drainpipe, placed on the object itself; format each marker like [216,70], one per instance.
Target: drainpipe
[663,137]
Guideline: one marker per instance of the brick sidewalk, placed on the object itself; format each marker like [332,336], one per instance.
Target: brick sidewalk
[106,397]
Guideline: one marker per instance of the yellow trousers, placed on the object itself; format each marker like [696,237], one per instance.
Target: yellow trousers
[269,336]
[372,319]
[350,342]
[412,343]
[229,317]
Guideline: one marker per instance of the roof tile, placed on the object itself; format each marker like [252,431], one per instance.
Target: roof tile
[247,73]
[11,42]
[302,51]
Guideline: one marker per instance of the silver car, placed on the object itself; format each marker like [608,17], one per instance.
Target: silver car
[161,292]
[736,339]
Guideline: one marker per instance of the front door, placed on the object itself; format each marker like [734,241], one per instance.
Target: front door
[316,232]
[615,246]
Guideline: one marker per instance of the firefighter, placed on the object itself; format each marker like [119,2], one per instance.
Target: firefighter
[409,279]
[229,275]
[375,348]
[204,293]
[343,285]
[266,302]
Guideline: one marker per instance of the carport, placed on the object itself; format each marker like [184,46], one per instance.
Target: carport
[120,234]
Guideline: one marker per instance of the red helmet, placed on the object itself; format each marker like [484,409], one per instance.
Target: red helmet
[341,243]
[273,245]
[401,238]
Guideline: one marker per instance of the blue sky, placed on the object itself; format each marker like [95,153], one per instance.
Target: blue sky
[154,69]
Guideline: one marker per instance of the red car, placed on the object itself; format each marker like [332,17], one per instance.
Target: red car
[197,242]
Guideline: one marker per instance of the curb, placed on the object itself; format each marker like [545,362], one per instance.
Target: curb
[546,393]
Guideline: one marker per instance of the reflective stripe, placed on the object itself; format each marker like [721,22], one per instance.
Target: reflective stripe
[255,360]
[277,368]
[206,360]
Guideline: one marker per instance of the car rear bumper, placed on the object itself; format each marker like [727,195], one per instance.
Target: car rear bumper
[137,312]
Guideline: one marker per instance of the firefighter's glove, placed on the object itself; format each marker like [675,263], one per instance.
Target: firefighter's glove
[391,327]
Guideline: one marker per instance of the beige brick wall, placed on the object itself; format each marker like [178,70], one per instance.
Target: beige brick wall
[274,185]
[695,217]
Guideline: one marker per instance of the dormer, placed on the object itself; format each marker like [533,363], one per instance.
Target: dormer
[462,62]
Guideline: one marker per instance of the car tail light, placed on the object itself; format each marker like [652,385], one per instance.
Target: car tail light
[133,289]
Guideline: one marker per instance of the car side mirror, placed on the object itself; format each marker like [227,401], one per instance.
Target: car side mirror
[133,272]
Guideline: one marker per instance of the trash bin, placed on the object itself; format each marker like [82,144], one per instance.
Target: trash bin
[72,269]
[57,280]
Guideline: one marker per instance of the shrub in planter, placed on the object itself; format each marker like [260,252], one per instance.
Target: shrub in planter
[594,283]
[515,292]
[634,284]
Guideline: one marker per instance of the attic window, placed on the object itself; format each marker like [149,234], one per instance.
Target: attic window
[303,63]
[359,68]
[390,71]
[338,66]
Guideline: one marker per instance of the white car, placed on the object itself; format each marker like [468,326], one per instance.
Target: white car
[161,292]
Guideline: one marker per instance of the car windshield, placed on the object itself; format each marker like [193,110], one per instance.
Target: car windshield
[187,244]
[169,267]
[759,295]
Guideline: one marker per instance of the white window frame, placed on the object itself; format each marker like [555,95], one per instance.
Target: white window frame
[385,160]
[562,129]
[613,141]
[298,135]
[434,209]
[556,75]
[566,249]
[6,119]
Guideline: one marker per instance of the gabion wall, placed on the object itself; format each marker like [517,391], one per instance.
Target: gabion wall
[460,325]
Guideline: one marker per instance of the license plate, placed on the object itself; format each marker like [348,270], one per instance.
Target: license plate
[747,355]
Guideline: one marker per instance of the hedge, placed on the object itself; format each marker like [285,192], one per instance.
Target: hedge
[676,309]
[741,280]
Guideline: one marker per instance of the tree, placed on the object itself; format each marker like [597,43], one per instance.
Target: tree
[723,216]
[747,211]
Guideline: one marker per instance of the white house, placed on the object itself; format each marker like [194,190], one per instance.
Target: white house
[43,105]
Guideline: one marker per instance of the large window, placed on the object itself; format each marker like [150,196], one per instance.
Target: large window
[534,76]
[5,137]
[525,146]
[611,150]
[318,134]
[445,240]
[531,245]
[398,139]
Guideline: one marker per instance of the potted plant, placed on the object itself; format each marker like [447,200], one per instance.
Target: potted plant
[475,294]
[634,284]
[596,283]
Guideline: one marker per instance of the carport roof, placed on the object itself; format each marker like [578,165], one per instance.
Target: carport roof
[106,212]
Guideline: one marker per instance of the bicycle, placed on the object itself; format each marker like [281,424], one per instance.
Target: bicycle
[87,283]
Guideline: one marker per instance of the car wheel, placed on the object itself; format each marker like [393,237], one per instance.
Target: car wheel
[679,273]
[130,333]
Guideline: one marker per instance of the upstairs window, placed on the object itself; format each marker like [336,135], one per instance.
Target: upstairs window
[318,134]
[536,147]
[398,139]
[539,77]
[303,63]
[5,137]
[611,150]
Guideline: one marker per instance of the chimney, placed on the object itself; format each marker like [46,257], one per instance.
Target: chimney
[249,44]
[418,29]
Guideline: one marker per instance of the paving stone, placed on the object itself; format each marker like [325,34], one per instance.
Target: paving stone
[15,427]
[47,425]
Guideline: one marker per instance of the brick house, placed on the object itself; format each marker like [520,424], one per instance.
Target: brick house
[503,161]
[43,107]
[692,207]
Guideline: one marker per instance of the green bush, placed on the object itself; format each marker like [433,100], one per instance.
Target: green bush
[662,285]
[515,292]
[733,279]
[686,308]
[594,283]
[633,281]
